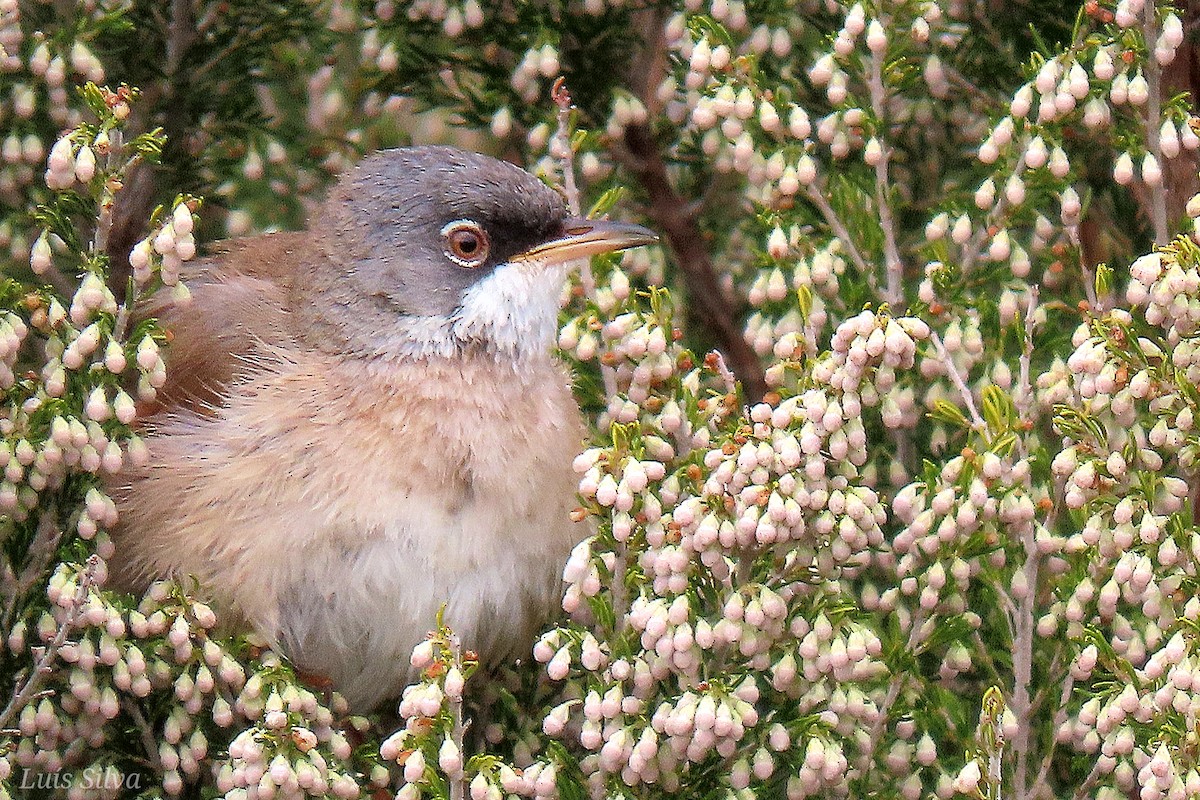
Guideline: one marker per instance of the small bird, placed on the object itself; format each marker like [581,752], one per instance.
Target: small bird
[364,421]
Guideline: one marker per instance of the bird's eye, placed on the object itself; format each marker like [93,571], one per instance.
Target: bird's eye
[466,243]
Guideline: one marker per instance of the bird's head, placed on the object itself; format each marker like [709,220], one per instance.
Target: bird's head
[433,250]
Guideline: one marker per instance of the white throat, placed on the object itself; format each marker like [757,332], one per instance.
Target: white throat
[513,313]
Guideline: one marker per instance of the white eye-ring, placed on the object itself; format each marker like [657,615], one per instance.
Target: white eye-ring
[466,243]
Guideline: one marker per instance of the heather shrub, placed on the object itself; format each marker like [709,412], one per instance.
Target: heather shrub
[892,479]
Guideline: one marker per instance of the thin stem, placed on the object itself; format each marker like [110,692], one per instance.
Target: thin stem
[1158,192]
[144,730]
[883,203]
[816,195]
[974,248]
[561,146]
[39,556]
[1085,788]
[42,668]
[722,369]
[1024,398]
[1089,277]
[1060,716]
[108,196]
[915,638]
[620,593]
[1023,662]
[957,379]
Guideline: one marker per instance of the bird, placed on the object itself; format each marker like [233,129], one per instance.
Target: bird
[363,422]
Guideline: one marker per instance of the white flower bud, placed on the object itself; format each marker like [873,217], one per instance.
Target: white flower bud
[97,407]
[1151,171]
[414,767]
[1078,79]
[1139,90]
[876,37]
[85,164]
[1123,169]
[450,759]
[422,654]
[985,195]
[181,219]
[1022,101]
[873,152]
[453,685]
[61,156]
[777,244]
[799,125]
[40,256]
[1035,153]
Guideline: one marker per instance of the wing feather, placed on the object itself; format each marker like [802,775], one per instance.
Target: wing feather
[238,314]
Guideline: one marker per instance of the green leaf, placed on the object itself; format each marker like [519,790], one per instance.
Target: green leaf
[606,202]
[804,299]
[998,409]
[1104,280]
[947,412]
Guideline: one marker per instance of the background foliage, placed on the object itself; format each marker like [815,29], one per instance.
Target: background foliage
[941,540]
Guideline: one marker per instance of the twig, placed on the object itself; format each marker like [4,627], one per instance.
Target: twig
[915,639]
[458,789]
[640,153]
[975,245]
[1158,192]
[39,555]
[816,195]
[561,143]
[41,669]
[1060,716]
[146,732]
[987,100]
[108,197]
[957,379]
[883,203]
[1023,662]
[620,593]
[718,365]
[1024,398]
[1089,278]
[1085,788]
[708,299]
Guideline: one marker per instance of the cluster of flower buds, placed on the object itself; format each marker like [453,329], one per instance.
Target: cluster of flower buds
[71,161]
[167,246]
[292,749]
[778,328]
[114,657]
[1127,419]
[430,749]
[765,505]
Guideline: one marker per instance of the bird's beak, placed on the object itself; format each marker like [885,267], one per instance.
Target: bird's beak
[583,238]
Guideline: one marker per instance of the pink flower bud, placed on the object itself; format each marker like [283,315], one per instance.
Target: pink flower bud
[449,759]
[414,767]
[453,685]
[61,157]
[40,254]
[85,164]
[422,655]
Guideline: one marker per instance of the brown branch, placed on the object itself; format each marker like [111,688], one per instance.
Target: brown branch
[675,216]
[678,224]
